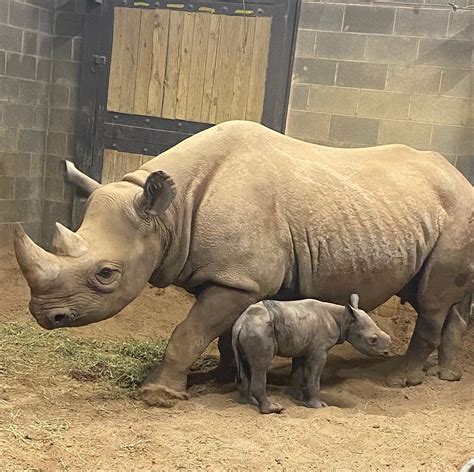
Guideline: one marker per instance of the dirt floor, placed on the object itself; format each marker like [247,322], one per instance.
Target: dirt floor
[49,421]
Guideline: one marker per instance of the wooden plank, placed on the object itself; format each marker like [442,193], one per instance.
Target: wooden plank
[259,70]
[125,162]
[198,66]
[130,60]
[160,46]
[226,64]
[173,62]
[115,79]
[185,65]
[243,70]
[208,107]
[144,65]
[108,166]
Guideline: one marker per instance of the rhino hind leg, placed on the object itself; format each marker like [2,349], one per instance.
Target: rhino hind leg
[443,282]
[451,340]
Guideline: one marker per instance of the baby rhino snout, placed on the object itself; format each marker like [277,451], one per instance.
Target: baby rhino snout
[382,343]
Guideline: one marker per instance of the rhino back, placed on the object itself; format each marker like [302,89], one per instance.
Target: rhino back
[268,213]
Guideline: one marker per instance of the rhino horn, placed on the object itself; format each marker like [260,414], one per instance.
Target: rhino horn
[68,243]
[38,266]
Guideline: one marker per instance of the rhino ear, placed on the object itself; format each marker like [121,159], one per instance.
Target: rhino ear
[75,177]
[158,193]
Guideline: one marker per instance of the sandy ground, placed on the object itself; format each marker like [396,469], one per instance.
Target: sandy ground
[52,422]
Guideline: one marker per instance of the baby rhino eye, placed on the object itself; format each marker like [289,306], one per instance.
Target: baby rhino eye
[373,339]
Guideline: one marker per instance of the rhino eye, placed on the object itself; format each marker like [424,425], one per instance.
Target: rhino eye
[105,273]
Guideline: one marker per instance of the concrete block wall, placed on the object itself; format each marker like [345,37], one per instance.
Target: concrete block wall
[367,75]
[39,75]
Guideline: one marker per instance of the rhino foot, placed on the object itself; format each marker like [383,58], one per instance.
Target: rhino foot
[402,378]
[272,408]
[446,373]
[315,404]
[159,395]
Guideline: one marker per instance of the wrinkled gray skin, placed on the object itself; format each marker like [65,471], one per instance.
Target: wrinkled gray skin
[304,330]
[239,213]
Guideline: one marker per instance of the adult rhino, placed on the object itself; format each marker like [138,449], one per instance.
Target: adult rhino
[239,213]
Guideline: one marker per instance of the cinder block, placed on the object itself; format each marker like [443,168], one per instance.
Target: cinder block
[24,16]
[417,135]
[391,49]
[7,187]
[41,118]
[332,99]
[449,53]
[71,146]
[465,164]
[368,19]
[53,189]
[461,25]
[33,93]
[321,16]
[340,46]
[3,56]
[77,49]
[66,73]
[45,46]
[361,75]
[452,139]
[28,188]
[9,89]
[356,130]
[62,47]
[314,71]
[6,234]
[11,38]
[456,83]
[43,70]
[59,96]
[56,143]
[299,97]
[62,120]
[30,39]
[305,43]
[308,125]
[412,78]
[20,65]
[8,139]
[73,97]
[37,165]
[28,210]
[8,213]
[46,21]
[439,109]
[31,140]
[19,116]
[382,104]
[422,22]
[68,24]
[53,166]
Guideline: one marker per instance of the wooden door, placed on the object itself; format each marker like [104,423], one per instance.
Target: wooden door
[161,72]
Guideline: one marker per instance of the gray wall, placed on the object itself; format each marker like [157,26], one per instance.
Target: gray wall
[39,53]
[367,75]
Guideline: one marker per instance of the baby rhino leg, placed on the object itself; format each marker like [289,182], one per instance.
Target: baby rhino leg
[314,367]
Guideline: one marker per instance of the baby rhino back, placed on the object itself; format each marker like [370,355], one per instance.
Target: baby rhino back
[298,325]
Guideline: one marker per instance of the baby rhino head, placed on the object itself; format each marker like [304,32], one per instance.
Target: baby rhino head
[364,334]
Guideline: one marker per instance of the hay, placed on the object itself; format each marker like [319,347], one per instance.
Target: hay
[24,349]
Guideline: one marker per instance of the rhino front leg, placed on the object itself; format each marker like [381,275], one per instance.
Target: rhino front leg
[214,313]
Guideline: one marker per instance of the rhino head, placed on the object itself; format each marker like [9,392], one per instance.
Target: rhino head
[94,273]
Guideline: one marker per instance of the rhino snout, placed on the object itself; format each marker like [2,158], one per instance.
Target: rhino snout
[57,318]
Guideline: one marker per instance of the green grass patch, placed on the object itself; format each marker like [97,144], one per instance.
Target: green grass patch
[24,349]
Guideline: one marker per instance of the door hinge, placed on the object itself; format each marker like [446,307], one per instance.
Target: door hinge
[97,61]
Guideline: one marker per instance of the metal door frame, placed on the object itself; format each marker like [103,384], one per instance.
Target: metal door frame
[99,129]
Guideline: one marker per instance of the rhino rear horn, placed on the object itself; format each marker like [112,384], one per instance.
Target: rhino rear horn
[158,193]
[81,181]
[37,265]
[68,243]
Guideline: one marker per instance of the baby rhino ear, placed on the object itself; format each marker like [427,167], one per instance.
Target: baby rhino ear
[354,301]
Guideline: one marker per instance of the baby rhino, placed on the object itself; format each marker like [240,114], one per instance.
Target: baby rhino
[304,330]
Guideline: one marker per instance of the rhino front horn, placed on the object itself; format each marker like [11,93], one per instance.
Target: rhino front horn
[37,265]
[68,243]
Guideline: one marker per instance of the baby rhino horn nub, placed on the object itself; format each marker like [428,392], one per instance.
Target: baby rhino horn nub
[68,243]
[38,266]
